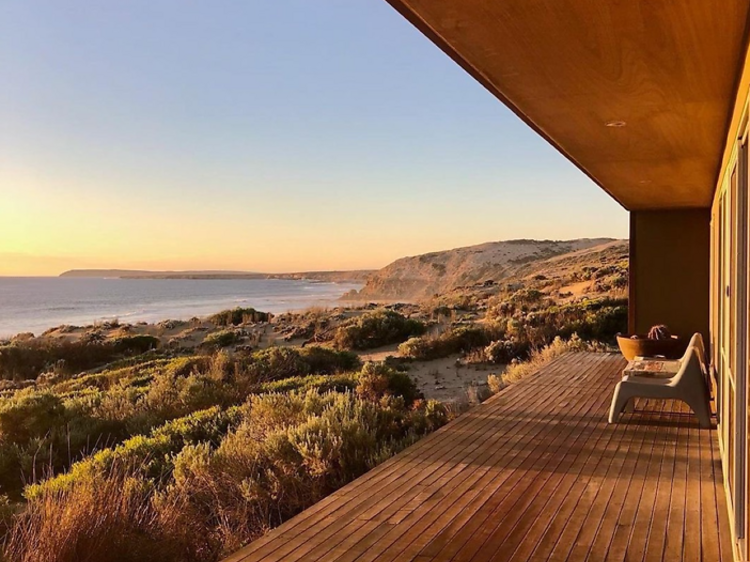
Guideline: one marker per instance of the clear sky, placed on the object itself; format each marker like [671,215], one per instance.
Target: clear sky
[267,135]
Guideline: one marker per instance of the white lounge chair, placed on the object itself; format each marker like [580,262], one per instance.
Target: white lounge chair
[688,385]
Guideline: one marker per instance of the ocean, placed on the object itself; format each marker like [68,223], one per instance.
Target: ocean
[34,304]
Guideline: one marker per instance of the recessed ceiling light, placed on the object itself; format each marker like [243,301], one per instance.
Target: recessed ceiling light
[615,124]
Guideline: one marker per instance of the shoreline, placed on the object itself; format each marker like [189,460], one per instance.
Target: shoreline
[22,316]
[446,378]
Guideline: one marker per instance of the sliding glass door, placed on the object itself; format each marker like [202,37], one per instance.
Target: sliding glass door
[731,330]
[740,304]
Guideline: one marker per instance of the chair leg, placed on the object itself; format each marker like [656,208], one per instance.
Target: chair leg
[701,409]
[630,406]
[696,396]
[619,401]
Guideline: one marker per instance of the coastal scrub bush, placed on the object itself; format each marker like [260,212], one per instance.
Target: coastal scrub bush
[169,397]
[422,348]
[375,329]
[145,455]
[320,383]
[130,345]
[44,429]
[206,451]
[239,316]
[40,432]
[30,415]
[202,498]
[323,360]
[292,452]
[591,319]
[596,320]
[275,363]
[377,380]
[503,351]
[221,339]
[460,339]
[29,358]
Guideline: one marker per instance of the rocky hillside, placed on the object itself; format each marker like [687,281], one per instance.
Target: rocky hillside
[420,277]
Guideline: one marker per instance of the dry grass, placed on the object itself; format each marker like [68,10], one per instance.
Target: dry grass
[476,394]
[99,521]
[495,383]
[540,357]
[289,451]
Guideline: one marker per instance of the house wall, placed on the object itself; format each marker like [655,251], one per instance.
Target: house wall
[670,270]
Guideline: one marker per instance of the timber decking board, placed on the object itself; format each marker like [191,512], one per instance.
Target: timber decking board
[425,453]
[376,533]
[535,473]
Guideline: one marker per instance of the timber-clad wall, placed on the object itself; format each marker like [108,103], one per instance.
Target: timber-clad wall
[670,270]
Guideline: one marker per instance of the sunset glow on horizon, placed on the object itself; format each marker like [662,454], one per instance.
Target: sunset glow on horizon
[151,135]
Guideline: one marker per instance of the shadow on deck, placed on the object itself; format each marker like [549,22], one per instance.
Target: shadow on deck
[533,474]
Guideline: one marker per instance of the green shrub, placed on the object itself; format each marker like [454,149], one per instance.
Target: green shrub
[27,359]
[294,451]
[30,415]
[460,339]
[504,351]
[196,494]
[174,438]
[135,344]
[320,383]
[471,337]
[239,316]
[323,360]
[146,455]
[592,319]
[42,431]
[221,339]
[375,329]
[377,380]
[275,363]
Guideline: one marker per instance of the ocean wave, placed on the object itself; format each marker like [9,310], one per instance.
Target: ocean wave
[51,302]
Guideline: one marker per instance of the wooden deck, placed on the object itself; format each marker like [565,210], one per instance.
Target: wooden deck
[534,474]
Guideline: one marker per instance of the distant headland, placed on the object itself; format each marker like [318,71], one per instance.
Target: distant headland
[357,276]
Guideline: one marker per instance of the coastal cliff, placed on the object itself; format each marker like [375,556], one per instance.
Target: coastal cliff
[420,277]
